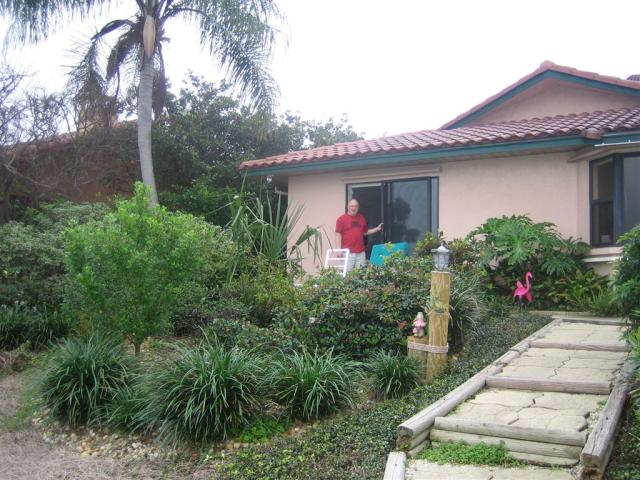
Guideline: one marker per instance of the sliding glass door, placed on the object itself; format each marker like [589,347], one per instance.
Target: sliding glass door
[408,208]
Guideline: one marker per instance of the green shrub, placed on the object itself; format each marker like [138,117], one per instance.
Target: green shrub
[575,291]
[393,375]
[207,201]
[202,393]
[32,269]
[311,385]
[513,246]
[374,307]
[230,333]
[131,272]
[263,289]
[20,324]
[427,243]
[627,275]
[84,375]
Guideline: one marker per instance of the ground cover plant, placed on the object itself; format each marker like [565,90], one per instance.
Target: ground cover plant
[354,444]
[462,453]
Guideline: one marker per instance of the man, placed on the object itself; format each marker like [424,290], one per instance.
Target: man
[351,227]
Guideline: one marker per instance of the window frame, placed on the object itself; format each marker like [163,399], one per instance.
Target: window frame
[618,197]
[385,191]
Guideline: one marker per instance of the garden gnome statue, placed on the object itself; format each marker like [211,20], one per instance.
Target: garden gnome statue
[418,325]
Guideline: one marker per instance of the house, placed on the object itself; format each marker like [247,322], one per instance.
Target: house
[560,145]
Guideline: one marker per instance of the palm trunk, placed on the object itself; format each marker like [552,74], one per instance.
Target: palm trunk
[145,89]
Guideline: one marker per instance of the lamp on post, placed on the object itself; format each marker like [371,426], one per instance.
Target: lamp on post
[439,314]
[441,257]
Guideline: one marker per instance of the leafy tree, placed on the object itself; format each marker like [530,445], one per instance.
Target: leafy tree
[237,33]
[130,272]
[206,133]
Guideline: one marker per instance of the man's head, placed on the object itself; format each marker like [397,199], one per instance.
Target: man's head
[352,207]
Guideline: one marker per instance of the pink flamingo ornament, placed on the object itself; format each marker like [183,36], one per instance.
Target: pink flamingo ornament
[524,291]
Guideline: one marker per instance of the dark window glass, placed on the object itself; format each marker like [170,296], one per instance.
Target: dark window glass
[409,217]
[602,180]
[602,193]
[408,208]
[631,186]
[615,198]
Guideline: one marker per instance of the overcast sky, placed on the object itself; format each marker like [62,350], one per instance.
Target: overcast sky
[400,66]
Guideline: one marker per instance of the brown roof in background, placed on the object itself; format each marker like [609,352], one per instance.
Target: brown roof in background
[590,124]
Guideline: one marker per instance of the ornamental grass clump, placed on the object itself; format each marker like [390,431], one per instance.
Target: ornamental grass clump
[311,385]
[202,393]
[393,375]
[84,375]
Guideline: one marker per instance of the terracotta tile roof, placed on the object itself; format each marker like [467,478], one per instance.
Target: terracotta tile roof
[590,125]
[544,67]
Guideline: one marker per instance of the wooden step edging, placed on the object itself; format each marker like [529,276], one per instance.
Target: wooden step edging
[549,385]
[463,425]
[597,347]
[395,467]
[513,445]
[415,430]
[595,454]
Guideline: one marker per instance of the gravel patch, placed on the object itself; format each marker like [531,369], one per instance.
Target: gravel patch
[51,452]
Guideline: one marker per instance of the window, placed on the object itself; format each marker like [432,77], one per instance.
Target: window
[408,208]
[614,197]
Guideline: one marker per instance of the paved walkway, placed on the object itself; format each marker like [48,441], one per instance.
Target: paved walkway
[547,401]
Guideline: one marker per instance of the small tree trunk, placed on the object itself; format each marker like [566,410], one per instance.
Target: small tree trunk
[145,93]
[136,348]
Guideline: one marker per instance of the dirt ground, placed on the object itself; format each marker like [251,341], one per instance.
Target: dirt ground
[25,456]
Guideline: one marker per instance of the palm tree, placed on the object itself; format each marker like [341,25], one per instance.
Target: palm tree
[236,32]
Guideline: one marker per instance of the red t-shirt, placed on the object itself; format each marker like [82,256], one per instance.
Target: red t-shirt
[352,229]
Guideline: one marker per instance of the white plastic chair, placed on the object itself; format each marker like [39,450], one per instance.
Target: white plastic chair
[337,258]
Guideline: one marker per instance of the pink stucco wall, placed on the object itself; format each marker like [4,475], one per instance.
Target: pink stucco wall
[547,187]
[554,97]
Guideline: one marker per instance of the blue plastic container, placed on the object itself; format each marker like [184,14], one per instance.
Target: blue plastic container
[381,250]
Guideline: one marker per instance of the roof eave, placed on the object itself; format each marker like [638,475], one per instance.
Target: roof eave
[430,155]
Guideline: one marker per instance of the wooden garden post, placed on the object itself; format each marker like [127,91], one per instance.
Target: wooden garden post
[438,323]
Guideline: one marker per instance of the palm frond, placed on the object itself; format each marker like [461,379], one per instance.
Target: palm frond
[238,34]
[128,44]
[33,20]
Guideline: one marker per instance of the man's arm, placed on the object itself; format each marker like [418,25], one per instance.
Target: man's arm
[371,231]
